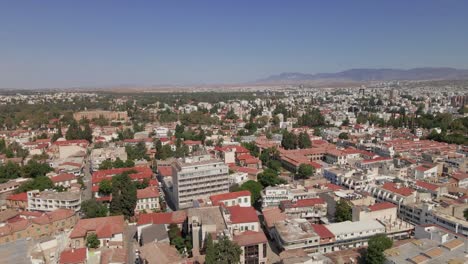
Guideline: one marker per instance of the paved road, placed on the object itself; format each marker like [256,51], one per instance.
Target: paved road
[87,181]
[129,240]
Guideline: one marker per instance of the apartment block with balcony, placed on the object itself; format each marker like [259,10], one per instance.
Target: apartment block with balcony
[198,177]
[51,200]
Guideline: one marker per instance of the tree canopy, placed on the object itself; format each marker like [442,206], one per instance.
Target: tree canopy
[376,246]
[92,209]
[223,252]
[343,211]
[124,196]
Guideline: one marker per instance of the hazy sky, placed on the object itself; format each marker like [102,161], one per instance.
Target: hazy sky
[98,42]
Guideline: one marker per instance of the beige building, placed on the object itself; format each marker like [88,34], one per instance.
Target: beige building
[51,200]
[198,177]
[109,115]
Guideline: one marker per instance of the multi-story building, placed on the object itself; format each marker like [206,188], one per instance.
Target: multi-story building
[198,177]
[311,209]
[253,245]
[273,195]
[109,115]
[51,200]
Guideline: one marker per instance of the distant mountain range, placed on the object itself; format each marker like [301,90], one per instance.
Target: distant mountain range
[373,75]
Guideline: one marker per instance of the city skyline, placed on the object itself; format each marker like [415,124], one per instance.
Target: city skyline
[86,44]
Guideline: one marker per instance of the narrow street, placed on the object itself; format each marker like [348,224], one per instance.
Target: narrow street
[129,241]
[87,194]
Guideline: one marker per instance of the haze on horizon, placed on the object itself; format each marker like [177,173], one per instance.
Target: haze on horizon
[54,44]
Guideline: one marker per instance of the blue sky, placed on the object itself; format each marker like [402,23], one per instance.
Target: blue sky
[55,44]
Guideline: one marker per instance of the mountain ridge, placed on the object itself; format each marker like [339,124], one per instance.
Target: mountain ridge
[369,74]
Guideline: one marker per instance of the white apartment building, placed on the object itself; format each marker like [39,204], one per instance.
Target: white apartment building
[51,200]
[198,177]
[273,195]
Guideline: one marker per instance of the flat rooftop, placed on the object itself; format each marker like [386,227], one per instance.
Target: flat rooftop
[293,230]
[353,227]
[428,252]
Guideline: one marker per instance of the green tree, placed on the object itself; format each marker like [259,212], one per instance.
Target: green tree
[231,115]
[124,196]
[105,165]
[92,209]
[35,169]
[305,171]
[255,190]
[270,177]
[92,241]
[10,170]
[343,211]
[289,140]
[465,214]
[118,163]
[39,183]
[105,187]
[343,135]
[304,140]
[224,252]
[376,246]
[274,165]
[137,152]
[87,133]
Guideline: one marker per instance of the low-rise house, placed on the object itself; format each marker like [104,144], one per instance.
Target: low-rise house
[147,199]
[383,210]
[239,219]
[240,198]
[74,256]
[109,230]
[47,224]
[426,171]
[64,179]
[17,201]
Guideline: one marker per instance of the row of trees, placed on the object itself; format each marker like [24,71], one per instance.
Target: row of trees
[32,169]
[293,141]
[118,163]
[76,132]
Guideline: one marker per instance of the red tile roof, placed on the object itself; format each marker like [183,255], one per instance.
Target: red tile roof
[165,171]
[427,186]
[248,238]
[217,199]
[378,159]
[425,167]
[333,187]
[104,227]
[302,203]
[403,191]
[459,176]
[322,231]
[242,214]
[18,197]
[177,217]
[273,215]
[381,206]
[73,256]
[141,173]
[63,177]
[148,192]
